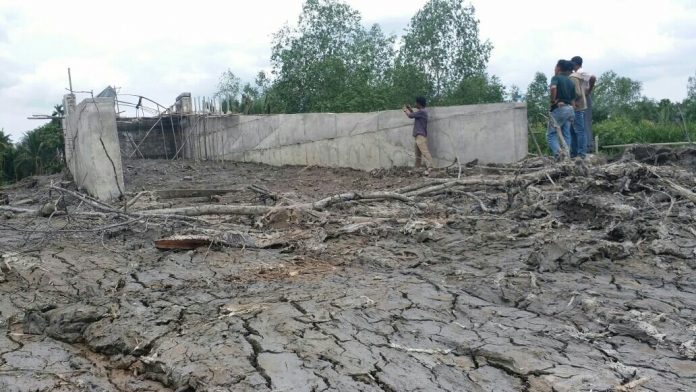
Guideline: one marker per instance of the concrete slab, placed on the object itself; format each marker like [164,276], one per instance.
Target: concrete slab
[290,129]
[319,126]
[351,124]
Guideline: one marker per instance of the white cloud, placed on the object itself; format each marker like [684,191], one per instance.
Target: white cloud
[160,49]
[642,40]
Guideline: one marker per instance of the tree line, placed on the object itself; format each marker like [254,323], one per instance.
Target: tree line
[331,62]
[39,151]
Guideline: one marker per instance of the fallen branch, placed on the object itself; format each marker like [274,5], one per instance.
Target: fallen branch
[680,190]
[4,226]
[481,204]
[186,193]
[265,193]
[232,239]
[30,211]
[631,385]
[331,200]
[96,204]
[263,210]
[133,200]
[209,210]
[19,210]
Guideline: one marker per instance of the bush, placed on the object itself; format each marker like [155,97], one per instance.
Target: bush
[538,133]
[624,131]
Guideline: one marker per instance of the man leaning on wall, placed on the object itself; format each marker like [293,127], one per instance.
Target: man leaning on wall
[420,133]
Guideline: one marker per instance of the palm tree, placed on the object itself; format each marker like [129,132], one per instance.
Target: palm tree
[37,151]
[6,148]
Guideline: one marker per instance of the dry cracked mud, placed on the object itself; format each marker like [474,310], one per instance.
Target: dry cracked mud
[583,284]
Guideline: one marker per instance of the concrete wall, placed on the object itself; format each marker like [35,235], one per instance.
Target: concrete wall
[495,133]
[149,138]
[94,157]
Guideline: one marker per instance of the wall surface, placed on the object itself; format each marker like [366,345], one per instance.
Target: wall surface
[92,148]
[150,137]
[494,133]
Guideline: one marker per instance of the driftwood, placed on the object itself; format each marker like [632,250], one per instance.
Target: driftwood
[631,386]
[233,239]
[210,210]
[263,192]
[263,210]
[680,190]
[19,210]
[32,211]
[524,180]
[94,203]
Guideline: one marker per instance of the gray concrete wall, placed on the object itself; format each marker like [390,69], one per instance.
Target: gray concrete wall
[495,133]
[94,159]
[149,138]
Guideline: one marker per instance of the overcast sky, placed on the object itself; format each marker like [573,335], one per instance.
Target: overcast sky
[159,49]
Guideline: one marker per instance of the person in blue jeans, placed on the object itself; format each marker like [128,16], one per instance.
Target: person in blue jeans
[562,113]
[578,137]
[588,84]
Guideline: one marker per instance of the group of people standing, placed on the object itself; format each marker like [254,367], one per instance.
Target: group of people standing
[571,108]
[571,113]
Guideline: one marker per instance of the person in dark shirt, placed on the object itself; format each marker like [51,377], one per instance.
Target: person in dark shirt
[562,113]
[420,133]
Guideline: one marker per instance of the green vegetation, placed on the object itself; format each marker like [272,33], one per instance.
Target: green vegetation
[331,62]
[40,151]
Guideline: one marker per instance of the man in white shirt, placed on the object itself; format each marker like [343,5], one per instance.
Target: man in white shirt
[588,84]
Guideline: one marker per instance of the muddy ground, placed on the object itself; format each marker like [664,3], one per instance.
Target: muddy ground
[528,277]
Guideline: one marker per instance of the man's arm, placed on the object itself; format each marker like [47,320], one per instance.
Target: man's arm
[407,109]
[554,92]
[593,80]
[578,92]
[416,114]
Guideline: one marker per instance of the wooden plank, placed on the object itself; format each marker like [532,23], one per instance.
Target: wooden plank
[182,243]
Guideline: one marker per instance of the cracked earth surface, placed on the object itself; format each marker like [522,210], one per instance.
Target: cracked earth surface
[565,292]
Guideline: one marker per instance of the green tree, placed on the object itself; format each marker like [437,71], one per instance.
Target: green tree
[515,94]
[58,111]
[329,62]
[614,95]
[39,151]
[407,81]
[691,88]
[228,91]
[537,97]
[6,150]
[476,89]
[442,40]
